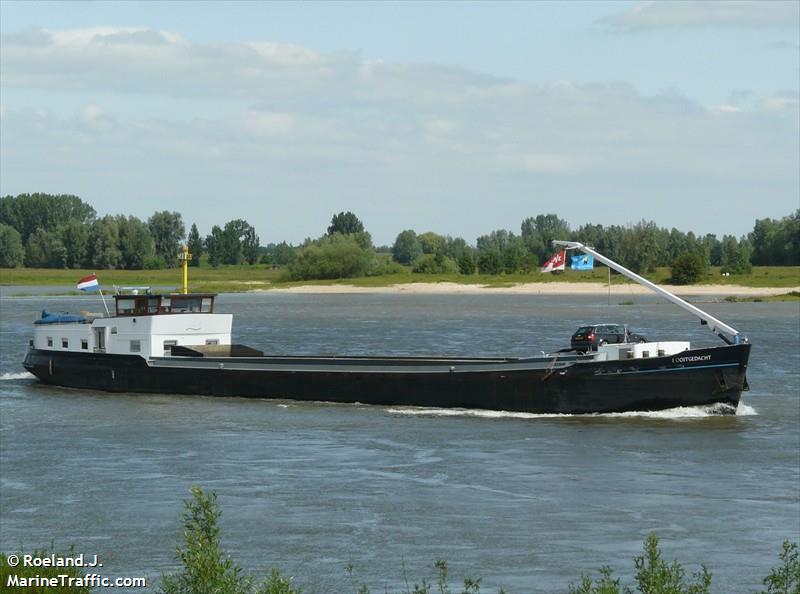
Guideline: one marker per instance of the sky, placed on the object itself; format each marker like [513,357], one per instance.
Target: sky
[454,117]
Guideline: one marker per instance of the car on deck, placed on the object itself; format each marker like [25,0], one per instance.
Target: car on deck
[588,338]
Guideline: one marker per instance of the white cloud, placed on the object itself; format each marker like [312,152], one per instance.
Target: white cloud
[693,13]
[304,131]
[144,61]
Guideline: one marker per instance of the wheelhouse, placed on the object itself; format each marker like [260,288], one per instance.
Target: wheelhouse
[148,304]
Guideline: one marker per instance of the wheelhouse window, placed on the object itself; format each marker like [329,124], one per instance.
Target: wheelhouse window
[136,346]
[137,305]
[190,304]
[140,305]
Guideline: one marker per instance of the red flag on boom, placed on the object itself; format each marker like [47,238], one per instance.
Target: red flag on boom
[556,262]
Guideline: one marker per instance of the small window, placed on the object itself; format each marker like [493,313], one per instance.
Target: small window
[136,346]
[168,344]
[113,329]
[64,343]
[49,341]
[84,344]
[206,305]
[126,305]
[212,341]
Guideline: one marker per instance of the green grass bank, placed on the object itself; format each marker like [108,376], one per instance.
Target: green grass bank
[242,278]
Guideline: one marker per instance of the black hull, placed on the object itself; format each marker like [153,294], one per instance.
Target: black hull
[570,384]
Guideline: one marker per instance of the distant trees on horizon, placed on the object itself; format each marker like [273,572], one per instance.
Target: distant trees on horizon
[62,231]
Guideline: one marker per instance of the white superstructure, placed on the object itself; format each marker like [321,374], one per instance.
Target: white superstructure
[146,325]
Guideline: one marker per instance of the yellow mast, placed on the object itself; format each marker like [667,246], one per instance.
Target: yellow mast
[184,256]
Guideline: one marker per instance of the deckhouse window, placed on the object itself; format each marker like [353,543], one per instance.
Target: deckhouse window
[126,305]
[84,344]
[137,305]
[168,344]
[136,346]
[151,304]
[189,304]
[49,341]
[186,304]
[64,343]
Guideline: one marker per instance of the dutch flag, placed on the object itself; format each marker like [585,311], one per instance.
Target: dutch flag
[89,283]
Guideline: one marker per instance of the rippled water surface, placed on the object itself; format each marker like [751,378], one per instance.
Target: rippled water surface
[527,502]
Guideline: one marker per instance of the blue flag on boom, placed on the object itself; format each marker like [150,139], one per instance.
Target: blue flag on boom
[582,262]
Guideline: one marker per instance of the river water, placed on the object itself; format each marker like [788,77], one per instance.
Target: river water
[526,502]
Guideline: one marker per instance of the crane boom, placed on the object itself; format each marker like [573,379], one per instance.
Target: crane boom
[727,333]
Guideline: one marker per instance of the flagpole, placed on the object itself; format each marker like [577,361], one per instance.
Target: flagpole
[609,284]
[103,297]
[108,313]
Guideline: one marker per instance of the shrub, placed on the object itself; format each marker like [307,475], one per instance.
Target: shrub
[785,579]
[407,247]
[332,256]
[12,254]
[155,263]
[653,576]
[206,569]
[466,264]
[383,265]
[435,264]
[687,269]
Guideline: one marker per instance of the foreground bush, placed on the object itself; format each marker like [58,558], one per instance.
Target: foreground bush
[206,569]
[653,576]
[785,579]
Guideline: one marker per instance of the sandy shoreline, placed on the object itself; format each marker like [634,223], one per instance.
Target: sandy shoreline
[552,288]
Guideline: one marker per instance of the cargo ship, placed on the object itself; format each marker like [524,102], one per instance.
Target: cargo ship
[177,343]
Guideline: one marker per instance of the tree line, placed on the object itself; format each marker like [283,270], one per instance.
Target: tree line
[61,231]
[641,247]
[346,249]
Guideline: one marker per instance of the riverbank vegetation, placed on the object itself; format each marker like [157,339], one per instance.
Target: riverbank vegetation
[242,278]
[205,568]
[62,232]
